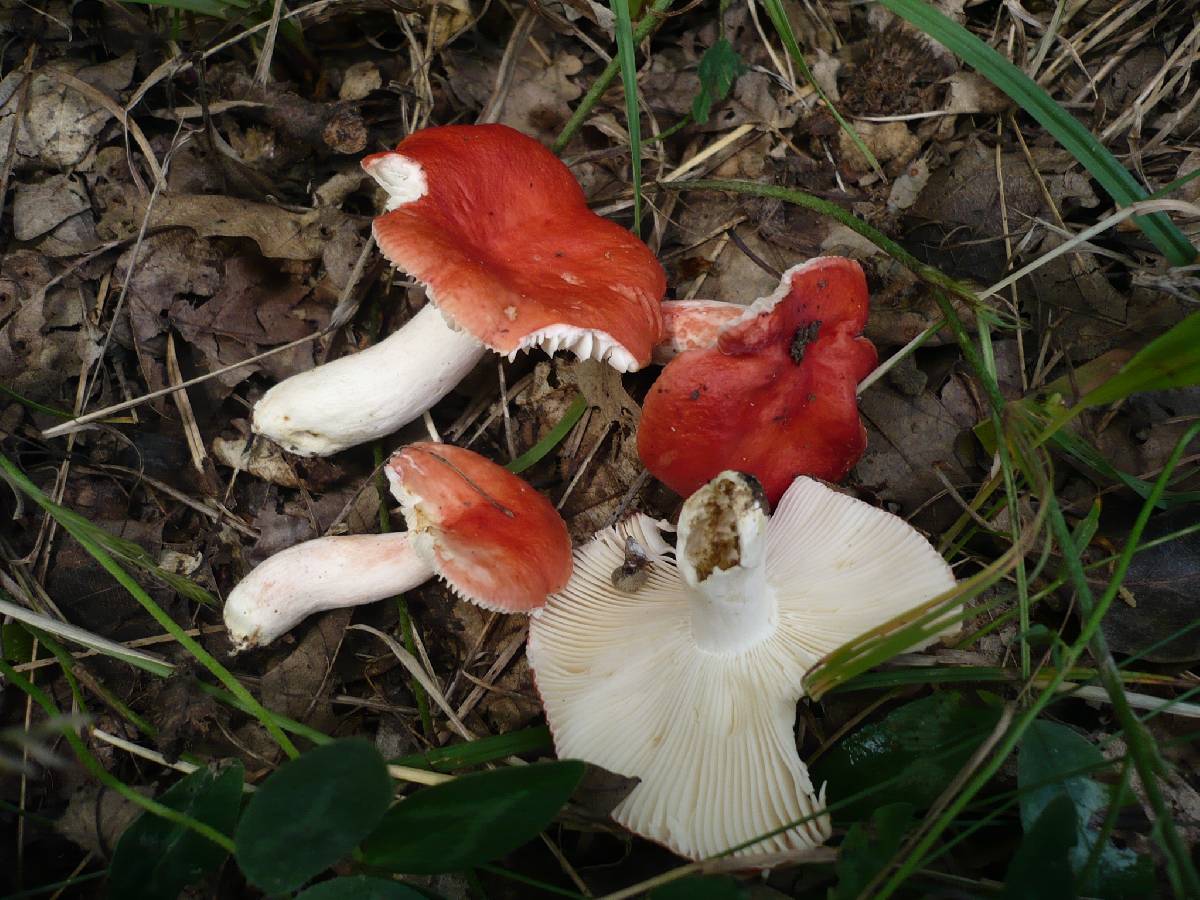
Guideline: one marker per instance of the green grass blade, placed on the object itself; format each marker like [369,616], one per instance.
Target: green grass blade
[626,45]
[1069,132]
[783,26]
[478,752]
[1171,360]
[103,775]
[650,21]
[71,524]
[531,456]
[73,633]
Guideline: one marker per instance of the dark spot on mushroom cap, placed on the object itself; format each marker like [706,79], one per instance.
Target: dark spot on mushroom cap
[805,335]
[694,395]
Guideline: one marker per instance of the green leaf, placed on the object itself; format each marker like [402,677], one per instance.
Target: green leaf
[1040,870]
[156,858]
[869,847]
[361,887]
[1082,144]
[719,69]
[311,812]
[471,820]
[907,757]
[697,887]
[1047,752]
[1171,360]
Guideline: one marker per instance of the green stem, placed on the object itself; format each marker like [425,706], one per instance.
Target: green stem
[18,478]
[649,22]
[103,775]
[926,273]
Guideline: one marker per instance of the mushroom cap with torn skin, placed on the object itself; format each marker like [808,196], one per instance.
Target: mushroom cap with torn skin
[690,683]
[775,397]
[491,537]
[499,232]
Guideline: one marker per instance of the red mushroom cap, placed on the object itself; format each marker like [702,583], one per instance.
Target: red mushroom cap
[493,538]
[501,235]
[776,396]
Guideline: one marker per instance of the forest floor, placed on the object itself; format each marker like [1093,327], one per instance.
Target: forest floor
[182,206]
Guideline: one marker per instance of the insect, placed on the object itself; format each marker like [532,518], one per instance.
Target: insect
[631,575]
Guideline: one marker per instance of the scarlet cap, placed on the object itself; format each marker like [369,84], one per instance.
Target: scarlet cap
[499,231]
[776,396]
[495,540]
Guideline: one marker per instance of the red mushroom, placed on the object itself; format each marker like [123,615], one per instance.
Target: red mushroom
[500,234]
[490,536]
[495,540]
[776,396]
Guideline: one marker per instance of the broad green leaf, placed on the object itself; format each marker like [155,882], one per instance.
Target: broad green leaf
[477,752]
[697,887]
[907,757]
[471,820]
[1171,360]
[1040,869]
[868,847]
[1069,132]
[311,812]
[719,69]
[155,858]
[1047,752]
[361,887]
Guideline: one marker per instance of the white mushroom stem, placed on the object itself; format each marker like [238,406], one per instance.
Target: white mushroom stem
[721,554]
[326,573]
[369,394]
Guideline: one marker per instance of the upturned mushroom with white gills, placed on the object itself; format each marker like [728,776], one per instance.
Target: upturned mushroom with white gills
[486,533]
[690,683]
[499,232]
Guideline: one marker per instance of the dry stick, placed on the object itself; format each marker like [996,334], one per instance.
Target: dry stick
[508,67]
[502,660]
[649,23]
[80,421]
[101,99]
[10,157]
[418,672]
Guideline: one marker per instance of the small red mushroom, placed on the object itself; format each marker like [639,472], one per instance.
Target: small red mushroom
[775,397]
[484,531]
[494,540]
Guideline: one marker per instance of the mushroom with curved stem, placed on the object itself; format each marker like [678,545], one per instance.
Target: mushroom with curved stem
[499,232]
[690,682]
[775,397]
[490,536]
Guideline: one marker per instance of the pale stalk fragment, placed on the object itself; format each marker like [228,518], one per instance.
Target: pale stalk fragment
[369,394]
[317,575]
